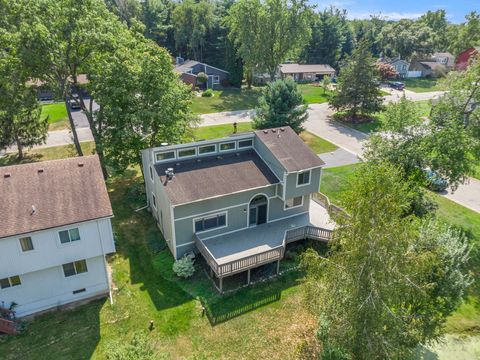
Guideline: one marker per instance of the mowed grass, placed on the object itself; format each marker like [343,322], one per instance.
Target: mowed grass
[317,144]
[335,181]
[57,115]
[423,84]
[377,119]
[245,99]
[226,100]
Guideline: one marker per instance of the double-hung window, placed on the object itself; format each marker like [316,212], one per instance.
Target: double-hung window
[69,235]
[75,268]
[210,222]
[303,178]
[10,282]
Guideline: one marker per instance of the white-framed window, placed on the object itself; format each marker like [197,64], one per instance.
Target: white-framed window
[26,243]
[215,79]
[226,146]
[207,149]
[303,178]
[151,172]
[245,143]
[69,235]
[154,201]
[182,153]
[75,268]
[294,202]
[10,282]
[210,222]
[165,155]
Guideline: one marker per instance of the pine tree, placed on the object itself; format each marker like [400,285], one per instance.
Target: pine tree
[357,92]
[281,104]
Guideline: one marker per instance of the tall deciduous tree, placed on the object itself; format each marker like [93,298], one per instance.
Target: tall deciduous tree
[20,121]
[281,104]
[268,32]
[437,22]
[389,281]
[192,20]
[332,38]
[357,91]
[466,34]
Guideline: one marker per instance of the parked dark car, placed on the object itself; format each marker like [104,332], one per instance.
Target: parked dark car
[74,103]
[397,85]
[435,182]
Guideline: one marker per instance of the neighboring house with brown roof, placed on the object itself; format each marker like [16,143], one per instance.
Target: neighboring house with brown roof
[55,231]
[428,68]
[444,58]
[237,200]
[308,72]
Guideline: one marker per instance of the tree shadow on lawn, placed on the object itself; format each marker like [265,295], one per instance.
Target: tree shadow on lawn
[237,99]
[138,239]
[57,335]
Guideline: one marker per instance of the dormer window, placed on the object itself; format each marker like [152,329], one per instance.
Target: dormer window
[245,143]
[207,149]
[227,146]
[187,152]
[303,178]
[165,155]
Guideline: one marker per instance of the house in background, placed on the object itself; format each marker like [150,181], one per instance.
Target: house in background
[444,58]
[399,65]
[237,200]
[307,72]
[55,231]
[427,69]
[464,58]
[189,69]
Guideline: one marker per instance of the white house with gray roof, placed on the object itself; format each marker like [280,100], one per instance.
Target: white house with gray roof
[236,200]
[55,231]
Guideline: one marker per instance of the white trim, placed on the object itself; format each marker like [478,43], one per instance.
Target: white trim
[227,142]
[208,217]
[309,178]
[189,243]
[211,211]
[213,67]
[187,156]
[154,200]
[10,282]
[284,195]
[292,207]
[248,209]
[150,167]
[308,169]
[174,239]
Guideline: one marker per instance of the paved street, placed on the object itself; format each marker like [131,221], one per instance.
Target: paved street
[319,123]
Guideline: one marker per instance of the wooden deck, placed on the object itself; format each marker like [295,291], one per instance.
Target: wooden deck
[252,247]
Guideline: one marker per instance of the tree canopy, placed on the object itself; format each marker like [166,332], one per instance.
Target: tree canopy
[388,281]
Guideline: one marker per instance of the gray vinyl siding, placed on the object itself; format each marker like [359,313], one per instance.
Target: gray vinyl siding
[277,211]
[292,190]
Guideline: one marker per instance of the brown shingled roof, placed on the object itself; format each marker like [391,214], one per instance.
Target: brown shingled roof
[214,176]
[61,192]
[289,149]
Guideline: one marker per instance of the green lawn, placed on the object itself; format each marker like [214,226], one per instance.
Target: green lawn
[146,289]
[226,100]
[314,94]
[244,99]
[335,181]
[374,125]
[317,144]
[422,84]
[57,115]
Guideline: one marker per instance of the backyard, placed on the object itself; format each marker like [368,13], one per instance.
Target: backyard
[244,99]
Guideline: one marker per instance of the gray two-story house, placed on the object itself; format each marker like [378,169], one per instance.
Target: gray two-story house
[237,200]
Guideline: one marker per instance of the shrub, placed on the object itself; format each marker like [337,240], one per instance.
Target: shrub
[207,93]
[291,255]
[184,267]
[202,77]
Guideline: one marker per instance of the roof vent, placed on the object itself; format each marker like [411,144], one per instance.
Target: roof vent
[34,210]
[7,175]
[170,174]
[282,129]
[80,164]
[164,144]
[40,171]
[274,130]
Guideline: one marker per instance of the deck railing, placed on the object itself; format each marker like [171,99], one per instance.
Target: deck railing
[274,254]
